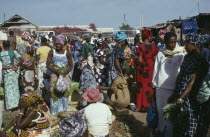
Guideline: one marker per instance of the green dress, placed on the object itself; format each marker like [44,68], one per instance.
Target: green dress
[11,87]
[86,49]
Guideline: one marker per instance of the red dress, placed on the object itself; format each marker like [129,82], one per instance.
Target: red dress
[144,76]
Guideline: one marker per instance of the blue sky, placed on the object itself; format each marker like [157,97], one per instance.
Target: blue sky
[104,13]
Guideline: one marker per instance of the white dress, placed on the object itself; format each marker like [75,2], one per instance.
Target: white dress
[165,73]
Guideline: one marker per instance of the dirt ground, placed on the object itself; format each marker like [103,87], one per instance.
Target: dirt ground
[131,125]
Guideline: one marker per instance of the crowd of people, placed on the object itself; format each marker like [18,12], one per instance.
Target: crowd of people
[37,72]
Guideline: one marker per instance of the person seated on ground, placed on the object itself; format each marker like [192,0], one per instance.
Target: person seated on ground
[88,80]
[31,121]
[97,114]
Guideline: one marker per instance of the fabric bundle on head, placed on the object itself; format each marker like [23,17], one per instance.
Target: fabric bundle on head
[92,95]
[73,126]
[74,38]
[60,39]
[25,35]
[196,39]
[120,36]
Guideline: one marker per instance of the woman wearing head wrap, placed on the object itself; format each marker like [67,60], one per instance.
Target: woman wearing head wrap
[97,114]
[10,75]
[146,53]
[100,65]
[117,58]
[166,70]
[87,47]
[60,63]
[187,84]
[31,121]
[23,46]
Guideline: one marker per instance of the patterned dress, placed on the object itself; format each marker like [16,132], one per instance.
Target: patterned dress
[186,127]
[11,86]
[144,76]
[101,73]
[58,102]
[117,53]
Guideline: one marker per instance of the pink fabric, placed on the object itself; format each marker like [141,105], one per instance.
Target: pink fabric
[92,95]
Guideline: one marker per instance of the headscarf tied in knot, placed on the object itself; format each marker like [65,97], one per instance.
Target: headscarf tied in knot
[34,102]
[196,39]
[120,36]
[147,34]
[25,35]
[60,39]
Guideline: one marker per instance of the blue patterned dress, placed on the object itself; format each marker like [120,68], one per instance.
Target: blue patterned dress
[117,53]
[11,86]
[61,103]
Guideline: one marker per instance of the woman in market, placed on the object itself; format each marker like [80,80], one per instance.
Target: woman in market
[41,57]
[10,75]
[59,62]
[23,46]
[100,65]
[146,59]
[166,70]
[188,82]
[31,121]
[117,57]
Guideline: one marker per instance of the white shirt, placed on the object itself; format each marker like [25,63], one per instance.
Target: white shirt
[166,70]
[98,117]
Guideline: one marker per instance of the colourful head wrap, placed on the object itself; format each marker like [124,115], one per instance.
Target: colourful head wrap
[196,39]
[120,36]
[147,34]
[75,38]
[60,39]
[25,35]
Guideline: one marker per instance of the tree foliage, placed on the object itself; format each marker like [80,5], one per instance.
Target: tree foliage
[93,26]
[126,27]
[67,29]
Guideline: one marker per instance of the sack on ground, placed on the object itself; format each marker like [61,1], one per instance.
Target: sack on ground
[61,85]
[121,95]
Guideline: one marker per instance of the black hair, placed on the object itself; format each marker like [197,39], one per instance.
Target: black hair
[6,43]
[11,33]
[168,35]
[43,40]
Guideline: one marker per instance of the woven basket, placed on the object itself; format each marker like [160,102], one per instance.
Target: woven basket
[62,115]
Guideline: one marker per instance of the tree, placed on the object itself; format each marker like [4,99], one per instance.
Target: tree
[126,27]
[93,26]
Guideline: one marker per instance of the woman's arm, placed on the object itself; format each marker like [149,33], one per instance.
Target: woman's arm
[24,121]
[7,67]
[117,64]
[101,60]
[189,88]
[70,64]
[48,63]
[20,62]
